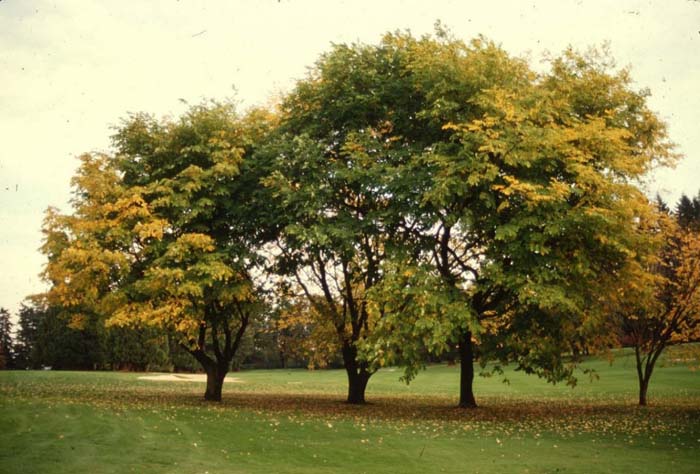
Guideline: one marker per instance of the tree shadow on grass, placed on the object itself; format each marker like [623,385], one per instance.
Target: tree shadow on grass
[577,413]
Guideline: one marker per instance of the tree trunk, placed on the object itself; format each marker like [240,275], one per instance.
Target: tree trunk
[466,379]
[645,367]
[215,383]
[358,375]
[217,367]
[357,383]
[643,386]
[283,359]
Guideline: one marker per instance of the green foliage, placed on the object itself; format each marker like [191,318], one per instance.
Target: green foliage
[47,338]
[133,348]
[157,237]
[63,346]
[344,132]
[27,336]
[420,317]
[525,209]
[420,194]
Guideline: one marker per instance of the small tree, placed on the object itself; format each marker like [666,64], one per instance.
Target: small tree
[305,334]
[659,302]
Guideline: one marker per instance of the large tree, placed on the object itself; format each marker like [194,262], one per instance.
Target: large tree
[163,233]
[345,132]
[442,193]
[430,298]
[528,211]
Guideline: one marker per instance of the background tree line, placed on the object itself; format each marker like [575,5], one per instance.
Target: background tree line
[42,338]
[406,200]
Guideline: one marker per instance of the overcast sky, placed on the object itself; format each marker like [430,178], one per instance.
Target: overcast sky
[70,69]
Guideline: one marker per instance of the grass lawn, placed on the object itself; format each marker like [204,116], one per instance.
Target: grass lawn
[294,421]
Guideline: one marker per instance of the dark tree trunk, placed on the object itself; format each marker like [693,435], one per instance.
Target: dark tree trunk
[358,375]
[645,367]
[215,383]
[357,383]
[466,379]
[643,386]
[283,359]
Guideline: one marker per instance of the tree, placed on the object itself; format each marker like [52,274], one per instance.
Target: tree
[688,212]
[445,251]
[305,334]
[47,337]
[134,348]
[528,211]
[659,301]
[163,233]
[509,192]
[26,341]
[64,345]
[344,132]
[6,345]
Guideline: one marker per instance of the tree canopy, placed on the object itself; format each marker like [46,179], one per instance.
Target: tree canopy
[413,197]
[159,237]
[528,209]
[658,300]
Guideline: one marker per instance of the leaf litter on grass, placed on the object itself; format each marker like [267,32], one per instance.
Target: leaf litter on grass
[502,418]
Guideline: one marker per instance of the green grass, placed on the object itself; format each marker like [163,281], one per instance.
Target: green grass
[294,421]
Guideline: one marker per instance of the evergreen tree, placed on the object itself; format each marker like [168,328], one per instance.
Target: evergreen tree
[30,318]
[6,349]
[688,212]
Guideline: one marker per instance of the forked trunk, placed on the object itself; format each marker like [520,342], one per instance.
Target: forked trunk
[218,366]
[466,379]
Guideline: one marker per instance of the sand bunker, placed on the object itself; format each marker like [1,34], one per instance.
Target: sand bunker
[184,378]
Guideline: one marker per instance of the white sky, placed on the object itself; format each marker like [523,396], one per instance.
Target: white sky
[70,69]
